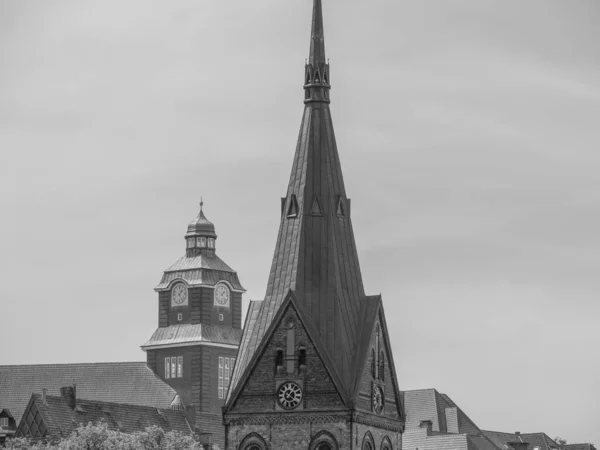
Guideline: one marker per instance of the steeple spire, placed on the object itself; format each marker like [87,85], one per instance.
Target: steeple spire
[316,70]
[317,38]
[315,255]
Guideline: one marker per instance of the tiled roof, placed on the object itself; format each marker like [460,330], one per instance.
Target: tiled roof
[126,382]
[540,440]
[203,269]
[188,333]
[61,420]
[578,447]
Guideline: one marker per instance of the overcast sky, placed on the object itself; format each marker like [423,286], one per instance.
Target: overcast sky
[469,133]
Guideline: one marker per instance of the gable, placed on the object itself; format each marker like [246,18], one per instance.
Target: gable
[378,370]
[288,354]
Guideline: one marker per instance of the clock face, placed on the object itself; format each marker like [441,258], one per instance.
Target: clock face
[222,295]
[179,295]
[378,399]
[289,395]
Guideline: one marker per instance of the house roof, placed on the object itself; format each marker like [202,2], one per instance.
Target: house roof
[540,440]
[194,334]
[203,269]
[578,447]
[315,254]
[127,382]
[61,420]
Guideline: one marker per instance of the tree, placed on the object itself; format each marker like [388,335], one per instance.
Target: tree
[100,437]
[560,441]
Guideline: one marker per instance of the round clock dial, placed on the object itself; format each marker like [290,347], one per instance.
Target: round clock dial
[289,395]
[179,294]
[222,295]
[378,399]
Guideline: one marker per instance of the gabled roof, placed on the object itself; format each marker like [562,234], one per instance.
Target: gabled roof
[127,382]
[324,356]
[61,420]
[540,440]
[315,255]
[192,334]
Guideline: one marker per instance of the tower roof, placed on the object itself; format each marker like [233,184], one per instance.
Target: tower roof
[315,255]
[201,225]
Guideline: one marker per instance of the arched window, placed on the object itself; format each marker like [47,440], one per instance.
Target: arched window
[323,440]
[290,347]
[386,444]
[279,360]
[373,364]
[381,366]
[302,357]
[368,442]
[253,441]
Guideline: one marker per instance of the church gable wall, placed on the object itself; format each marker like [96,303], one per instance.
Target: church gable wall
[365,396]
[259,392]
[377,434]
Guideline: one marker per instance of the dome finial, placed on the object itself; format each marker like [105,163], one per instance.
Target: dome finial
[201,203]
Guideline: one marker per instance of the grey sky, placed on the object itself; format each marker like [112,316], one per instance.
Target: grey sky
[469,137]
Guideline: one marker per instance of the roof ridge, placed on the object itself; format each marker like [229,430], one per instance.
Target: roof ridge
[70,364]
[85,400]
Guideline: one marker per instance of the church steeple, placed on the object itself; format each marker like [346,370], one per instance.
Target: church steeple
[315,255]
[316,71]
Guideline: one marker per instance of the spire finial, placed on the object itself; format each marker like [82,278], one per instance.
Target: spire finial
[317,38]
[201,203]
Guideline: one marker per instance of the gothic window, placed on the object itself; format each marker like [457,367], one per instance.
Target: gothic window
[381,366]
[290,347]
[386,444]
[376,374]
[302,357]
[368,443]
[317,77]
[373,363]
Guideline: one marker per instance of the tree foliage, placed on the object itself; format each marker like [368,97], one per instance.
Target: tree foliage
[100,437]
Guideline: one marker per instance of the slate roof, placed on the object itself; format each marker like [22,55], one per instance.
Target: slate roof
[540,440]
[203,269]
[315,255]
[61,420]
[126,382]
[193,334]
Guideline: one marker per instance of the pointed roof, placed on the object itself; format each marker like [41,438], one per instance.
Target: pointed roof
[315,255]
[317,37]
[201,225]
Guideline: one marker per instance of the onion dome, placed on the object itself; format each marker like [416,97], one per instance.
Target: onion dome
[200,237]
[201,226]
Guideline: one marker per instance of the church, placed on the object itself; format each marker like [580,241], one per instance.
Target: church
[312,366]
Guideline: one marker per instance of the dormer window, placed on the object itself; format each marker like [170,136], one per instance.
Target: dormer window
[211,243]
[3,422]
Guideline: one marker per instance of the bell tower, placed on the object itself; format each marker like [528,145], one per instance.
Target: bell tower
[199,329]
[315,369]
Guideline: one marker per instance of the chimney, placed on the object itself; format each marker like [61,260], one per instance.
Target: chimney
[69,396]
[44,392]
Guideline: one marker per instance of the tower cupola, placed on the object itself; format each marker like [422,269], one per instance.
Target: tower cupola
[200,236]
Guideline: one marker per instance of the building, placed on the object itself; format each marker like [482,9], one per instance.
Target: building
[315,368]
[530,441]
[128,382]
[199,329]
[50,418]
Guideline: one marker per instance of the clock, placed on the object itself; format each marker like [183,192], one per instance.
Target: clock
[179,295]
[378,399]
[289,395]
[222,295]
